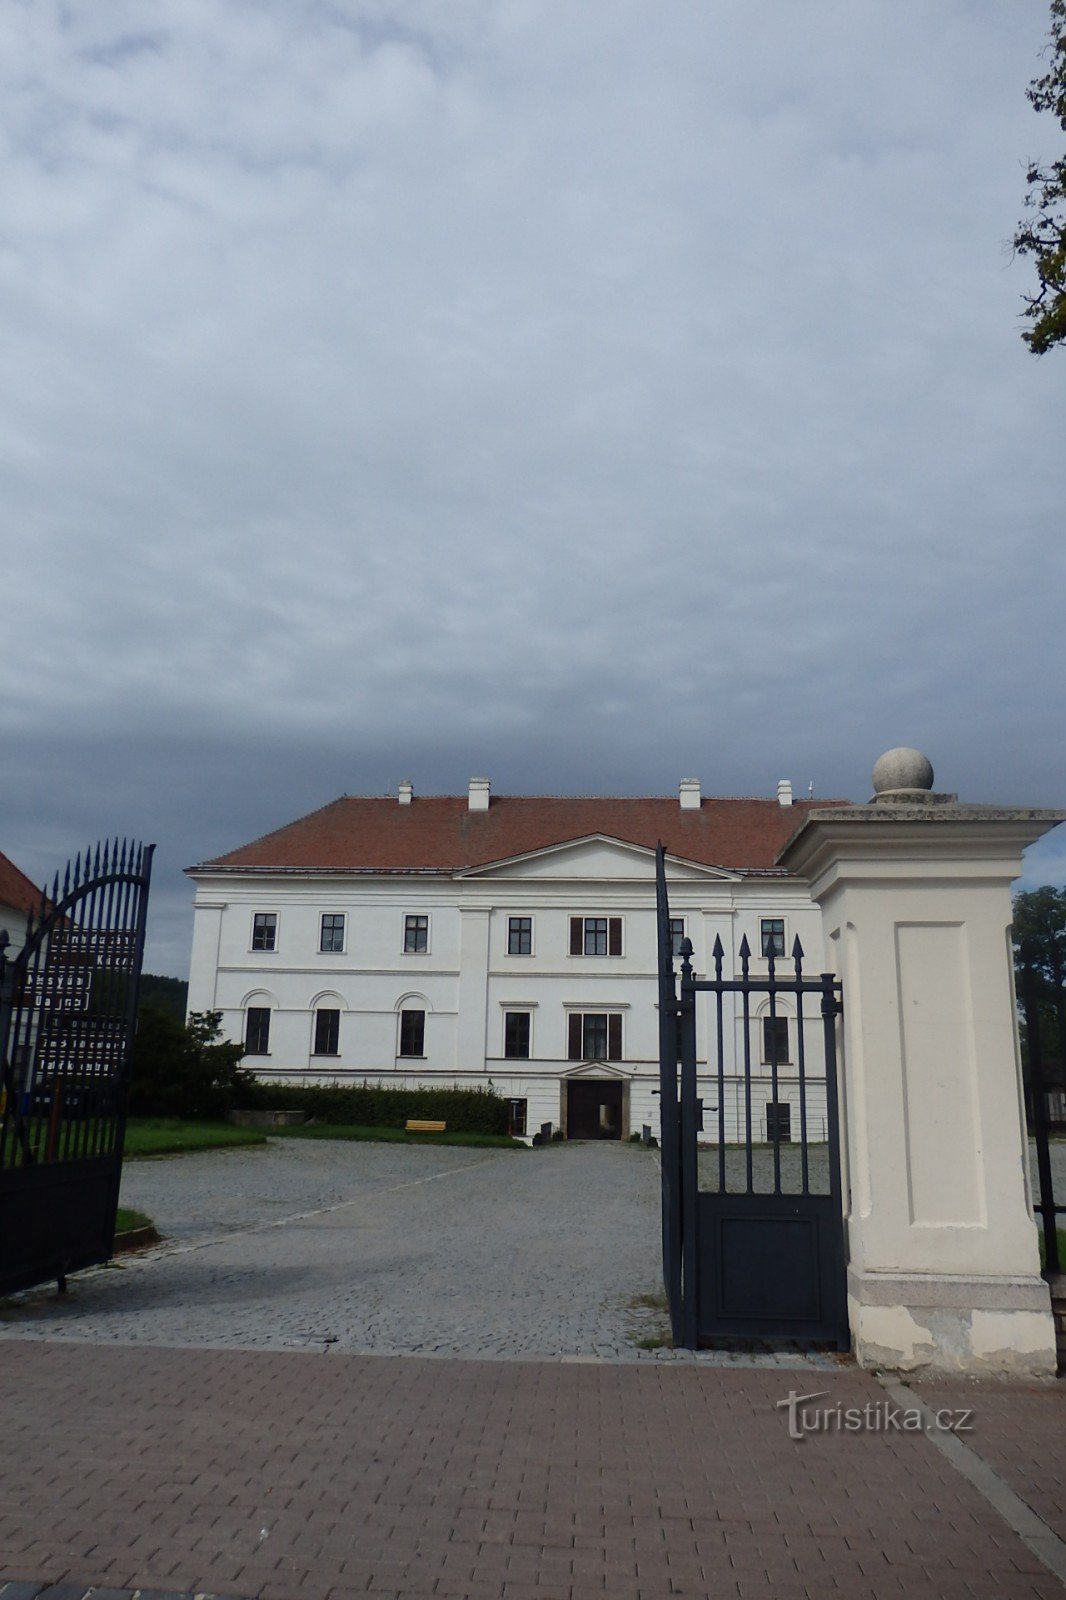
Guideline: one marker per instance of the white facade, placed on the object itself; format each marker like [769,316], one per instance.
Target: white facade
[425,974]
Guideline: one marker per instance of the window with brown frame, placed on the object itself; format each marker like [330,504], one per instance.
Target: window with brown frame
[594,1036]
[595,936]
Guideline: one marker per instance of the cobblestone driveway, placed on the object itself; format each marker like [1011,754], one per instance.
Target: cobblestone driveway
[384,1248]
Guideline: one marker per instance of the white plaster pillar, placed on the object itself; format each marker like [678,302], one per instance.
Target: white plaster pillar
[914,891]
[206,956]
[473,989]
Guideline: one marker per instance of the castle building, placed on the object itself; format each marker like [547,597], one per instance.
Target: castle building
[502,940]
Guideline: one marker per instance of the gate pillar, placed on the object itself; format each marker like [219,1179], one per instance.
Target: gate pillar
[914,890]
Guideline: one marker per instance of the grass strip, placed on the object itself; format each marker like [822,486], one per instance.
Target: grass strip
[167,1136]
[379,1135]
[128,1219]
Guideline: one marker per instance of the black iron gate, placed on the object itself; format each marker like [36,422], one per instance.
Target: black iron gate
[1045,1090]
[753,1233]
[68,1011]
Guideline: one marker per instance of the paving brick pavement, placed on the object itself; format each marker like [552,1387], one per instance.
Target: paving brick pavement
[380,1248]
[1020,1430]
[306,1476]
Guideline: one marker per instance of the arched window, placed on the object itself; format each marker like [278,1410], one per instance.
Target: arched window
[412,1010]
[326,1011]
[257,1008]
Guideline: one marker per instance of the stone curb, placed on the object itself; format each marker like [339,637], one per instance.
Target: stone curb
[133,1239]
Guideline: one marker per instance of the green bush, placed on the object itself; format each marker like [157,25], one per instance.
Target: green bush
[184,1069]
[373,1106]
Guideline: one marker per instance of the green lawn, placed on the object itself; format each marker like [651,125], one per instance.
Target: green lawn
[167,1136]
[128,1219]
[351,1130]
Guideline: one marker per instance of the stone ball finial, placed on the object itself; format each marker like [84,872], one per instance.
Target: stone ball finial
[902,769]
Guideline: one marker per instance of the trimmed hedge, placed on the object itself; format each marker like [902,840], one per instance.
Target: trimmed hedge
[464,1110]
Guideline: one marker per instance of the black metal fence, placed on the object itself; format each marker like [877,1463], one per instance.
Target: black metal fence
[1045,1085]
[669,1119]
[68,1012]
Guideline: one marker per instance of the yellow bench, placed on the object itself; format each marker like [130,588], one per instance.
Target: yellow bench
[413,1126]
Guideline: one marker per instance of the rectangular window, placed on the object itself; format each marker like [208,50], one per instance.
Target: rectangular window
[516,1119]
[677,933]
[594,1036]
[331,933]
[327,1032]
[775,1039]
[519,936]
[415,937]
[772,936]
[257,1031]
[412,1033]
[264,930]
[516,1032]
[595,936]
[779,1122]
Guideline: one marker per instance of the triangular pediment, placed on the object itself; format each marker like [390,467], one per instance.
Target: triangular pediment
[599,1069]
[597,856]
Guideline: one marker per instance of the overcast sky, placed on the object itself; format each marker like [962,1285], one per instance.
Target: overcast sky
[583,393]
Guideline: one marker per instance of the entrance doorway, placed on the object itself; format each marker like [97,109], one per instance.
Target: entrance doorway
[594,1108]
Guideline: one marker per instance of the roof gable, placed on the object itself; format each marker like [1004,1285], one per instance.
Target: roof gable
[17,892]
[441,833]
[596,857]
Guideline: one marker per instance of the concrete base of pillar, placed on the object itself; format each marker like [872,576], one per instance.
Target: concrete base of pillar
[941,1323]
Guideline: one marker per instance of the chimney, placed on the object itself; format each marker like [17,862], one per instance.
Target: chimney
[406,792]
[690,794]
[784,792]
[479,794]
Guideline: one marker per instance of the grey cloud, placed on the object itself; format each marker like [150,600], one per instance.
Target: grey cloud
[585,394]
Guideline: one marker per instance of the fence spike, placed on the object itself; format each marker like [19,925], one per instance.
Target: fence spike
[745,955]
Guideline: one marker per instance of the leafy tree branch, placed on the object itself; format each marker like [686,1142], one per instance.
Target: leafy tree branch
[1042,232]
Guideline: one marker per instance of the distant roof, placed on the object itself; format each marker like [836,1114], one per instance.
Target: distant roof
[16,890]
[439,833]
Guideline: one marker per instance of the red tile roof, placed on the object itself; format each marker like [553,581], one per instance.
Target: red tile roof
[441,834]
[16,890]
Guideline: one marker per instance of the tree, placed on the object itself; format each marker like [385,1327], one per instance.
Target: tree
[184,1069]
[168,994]
[1040,958]
[1042,234]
